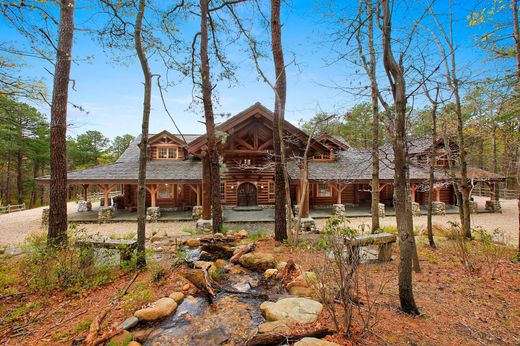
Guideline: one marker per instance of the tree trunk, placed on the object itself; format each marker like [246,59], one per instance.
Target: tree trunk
[34,189]
[280,227]
[375,120]
[57,231]
[143,145]
[494,148]
[19,176]
[8,179]
[402,198]
[213,157]
[516,36]
[432,175]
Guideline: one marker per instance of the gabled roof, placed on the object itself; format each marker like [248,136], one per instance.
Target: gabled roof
[256,110]
[338,142]
[165,134]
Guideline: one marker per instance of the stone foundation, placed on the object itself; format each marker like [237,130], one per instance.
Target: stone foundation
[82,206]
[381,210]
[493,206]
[438,208]
[338,209]
[196,212]
[308,225]
[153,213]
[204,225]
[45,217]
[105,214]
[416,209]
[473,207]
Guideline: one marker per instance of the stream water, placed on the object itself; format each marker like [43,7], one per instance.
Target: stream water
[230,319]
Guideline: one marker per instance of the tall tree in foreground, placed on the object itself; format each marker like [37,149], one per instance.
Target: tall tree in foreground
[464,185]
[143,145]
[403,210]
[212,158]
[280,88]
[369,66]
[57,231]
[435,103]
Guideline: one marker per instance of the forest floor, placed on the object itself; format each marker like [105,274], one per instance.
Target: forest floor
[458,306]
[16,227]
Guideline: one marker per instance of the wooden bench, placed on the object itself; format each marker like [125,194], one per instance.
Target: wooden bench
[125,247]
[383,240]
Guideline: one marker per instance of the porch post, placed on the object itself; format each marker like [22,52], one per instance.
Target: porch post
[174,191]
[339,191]
[206,187]
[412,191]
[305,206]
[105,195]
[198,194]
[437,194]
[85,192]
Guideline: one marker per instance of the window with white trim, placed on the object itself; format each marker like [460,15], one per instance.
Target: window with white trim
[270,191]
[167,153]
[324,190]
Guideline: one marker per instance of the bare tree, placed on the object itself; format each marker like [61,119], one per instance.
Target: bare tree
[207,91]
[143,145]
[280,87]
[435,103]
[464,185]
[397,125]
[57,231]
[369,66]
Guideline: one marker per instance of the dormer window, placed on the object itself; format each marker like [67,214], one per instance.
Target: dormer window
[168,153]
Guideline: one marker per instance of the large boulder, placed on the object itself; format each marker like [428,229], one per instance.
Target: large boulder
[304,280]
[301,310]
[314,342]
[162,308]
[258,261]
[276,327]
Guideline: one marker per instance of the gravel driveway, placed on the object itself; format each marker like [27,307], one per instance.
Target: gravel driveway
[15,227]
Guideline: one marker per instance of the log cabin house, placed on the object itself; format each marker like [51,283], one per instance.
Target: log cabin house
[338,174]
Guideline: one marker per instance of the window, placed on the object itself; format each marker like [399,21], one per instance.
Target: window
[165,191]
[324,190]
[270,191]
[440,161]
[166,153]
[222,191]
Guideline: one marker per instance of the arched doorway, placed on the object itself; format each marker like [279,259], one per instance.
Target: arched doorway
[246,195]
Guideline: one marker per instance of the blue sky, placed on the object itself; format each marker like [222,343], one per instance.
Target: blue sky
[112,93]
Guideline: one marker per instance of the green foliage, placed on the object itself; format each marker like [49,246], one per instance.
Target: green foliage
[69,267]
[120,144]
[258,235]
[336,227]
[87,149]
[139,296]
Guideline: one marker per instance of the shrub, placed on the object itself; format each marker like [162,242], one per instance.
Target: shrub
[336,263]
[68,267]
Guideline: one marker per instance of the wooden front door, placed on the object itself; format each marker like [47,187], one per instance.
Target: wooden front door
[246,195]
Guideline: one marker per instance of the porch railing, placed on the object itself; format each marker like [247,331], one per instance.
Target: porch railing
[96,196]
[11,208]
[483,191]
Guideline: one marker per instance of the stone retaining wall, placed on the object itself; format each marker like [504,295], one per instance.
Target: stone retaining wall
[45,217]
[438,208]
[105,214]
[416,209]
[338,209]
[381,210]
[153,213]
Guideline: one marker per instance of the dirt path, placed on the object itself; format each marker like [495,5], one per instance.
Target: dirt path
[15,227]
